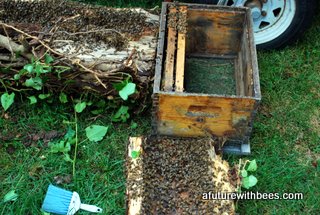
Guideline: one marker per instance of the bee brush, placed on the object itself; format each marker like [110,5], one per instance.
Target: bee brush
[60,201]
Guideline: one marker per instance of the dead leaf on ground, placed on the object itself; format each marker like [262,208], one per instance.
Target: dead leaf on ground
[184,195]
[46,136]
[6,116]
[62,179]
[50,135]
[10,149]
[315,121]
[315,164]
[36,170]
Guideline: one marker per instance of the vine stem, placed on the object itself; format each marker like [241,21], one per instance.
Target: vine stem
[4,86]
[76,146]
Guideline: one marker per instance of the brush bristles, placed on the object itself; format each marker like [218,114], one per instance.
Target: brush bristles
[57,200]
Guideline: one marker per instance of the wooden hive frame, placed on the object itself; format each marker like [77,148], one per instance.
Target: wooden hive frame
[185,114]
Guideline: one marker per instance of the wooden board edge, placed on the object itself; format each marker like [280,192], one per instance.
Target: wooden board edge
[160,48]
[168,74]
[239,75]
[254,60]
[134,204]
[181,53]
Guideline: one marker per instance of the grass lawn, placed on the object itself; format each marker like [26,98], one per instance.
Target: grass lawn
[285,143]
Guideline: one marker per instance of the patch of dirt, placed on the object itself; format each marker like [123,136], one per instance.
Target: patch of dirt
[307,155]
[315,122]
[45,136]
[36,170]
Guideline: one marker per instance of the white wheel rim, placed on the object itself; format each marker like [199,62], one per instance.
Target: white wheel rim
[278,18]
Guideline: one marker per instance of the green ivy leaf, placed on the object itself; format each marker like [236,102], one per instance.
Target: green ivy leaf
[135,154]
[67,146]
[134,125]
[33,100]
[80,106]
[48,59]
[28,67]
[128,90]
[249,182]
[63,98]
[97,112]
[252,166]
[70,134]
[44,96]
[121,85]
[39,69]
[36,83]
[10,196]
[96,133]
[244,173]
[101,103]
[7,100]
[58,147]
[121,115]
[67,157]
[16,77]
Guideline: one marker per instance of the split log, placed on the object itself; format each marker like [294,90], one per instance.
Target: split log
[100,45]
[7,43]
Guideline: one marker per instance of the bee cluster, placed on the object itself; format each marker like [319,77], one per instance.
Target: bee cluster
[175,174]
[69,18]
[177,19]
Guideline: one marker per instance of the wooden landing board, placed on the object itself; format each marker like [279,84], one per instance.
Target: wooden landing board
[181,52]
[170,59]
[134,173]
[138,193]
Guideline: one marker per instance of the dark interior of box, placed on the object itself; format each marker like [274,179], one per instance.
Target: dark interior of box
[217,53]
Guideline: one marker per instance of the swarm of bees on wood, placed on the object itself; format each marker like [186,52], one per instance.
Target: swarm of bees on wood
[175,172]
[100,45]
[64,20]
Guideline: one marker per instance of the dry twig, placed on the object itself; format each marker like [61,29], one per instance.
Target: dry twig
[33,37]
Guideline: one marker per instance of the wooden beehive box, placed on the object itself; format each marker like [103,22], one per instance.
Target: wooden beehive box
[207,80]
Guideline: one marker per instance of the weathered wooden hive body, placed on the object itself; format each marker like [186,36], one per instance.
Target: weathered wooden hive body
[207,80]
[206,85]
